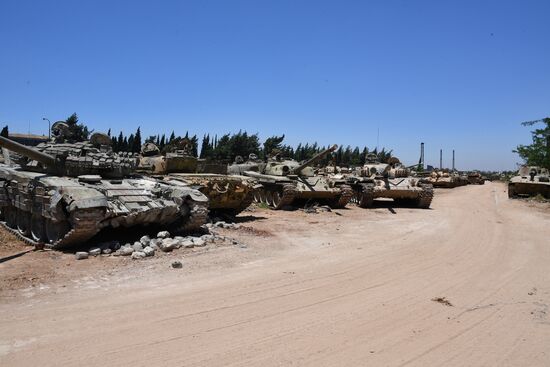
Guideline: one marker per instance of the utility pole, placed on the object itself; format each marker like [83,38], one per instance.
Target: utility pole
[440,158]
[49,128]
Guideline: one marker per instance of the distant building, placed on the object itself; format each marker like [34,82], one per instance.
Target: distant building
[28,139]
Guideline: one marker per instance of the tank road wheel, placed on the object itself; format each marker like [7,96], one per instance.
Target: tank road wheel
[262,195]
[38,230]
[11,216]
[257,196]
[276,198]
[23,222]
[55,231]
[366,198]
[269,198]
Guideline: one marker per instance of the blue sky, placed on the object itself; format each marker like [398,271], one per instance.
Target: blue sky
[455,74]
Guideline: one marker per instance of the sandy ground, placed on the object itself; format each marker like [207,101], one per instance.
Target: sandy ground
[464,284]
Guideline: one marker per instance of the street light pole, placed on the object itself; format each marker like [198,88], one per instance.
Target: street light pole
[49,127]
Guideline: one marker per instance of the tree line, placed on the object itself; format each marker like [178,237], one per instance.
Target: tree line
[229,146]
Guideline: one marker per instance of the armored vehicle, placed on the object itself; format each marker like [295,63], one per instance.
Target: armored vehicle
[286,182]
[441,179]
[61,194]
[530,181]
[389,180]
[227,194]
[475,178]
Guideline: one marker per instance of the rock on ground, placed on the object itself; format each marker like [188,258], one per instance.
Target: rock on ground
[138,255]
[81,255]
[163,234]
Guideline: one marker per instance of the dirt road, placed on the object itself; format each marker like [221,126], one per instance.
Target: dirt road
[356,288]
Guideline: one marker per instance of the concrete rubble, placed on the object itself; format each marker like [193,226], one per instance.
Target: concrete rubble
[148,246]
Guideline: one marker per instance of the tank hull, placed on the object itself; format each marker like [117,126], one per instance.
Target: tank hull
[228,194]
[520,188]
[403,191]
[283,192]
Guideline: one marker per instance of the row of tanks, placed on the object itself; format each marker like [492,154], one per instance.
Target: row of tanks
[66,191]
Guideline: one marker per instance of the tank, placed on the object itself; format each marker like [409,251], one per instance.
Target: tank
[441,179]
[227,194]
[286,182]
[62,194]
[389,180]
[530,181]
[475,178]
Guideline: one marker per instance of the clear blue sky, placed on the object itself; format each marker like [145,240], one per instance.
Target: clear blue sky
[454,74]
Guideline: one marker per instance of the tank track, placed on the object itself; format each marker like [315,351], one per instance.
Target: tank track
[366,196]
[84,227]
[25,239]
[426,196]
[345,197]
[289,193]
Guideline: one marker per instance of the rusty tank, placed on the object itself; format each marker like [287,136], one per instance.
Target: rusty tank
[441,179]
[61,194]
[286,182]
[475,178]
[530,181]
[389,180]
[227,194]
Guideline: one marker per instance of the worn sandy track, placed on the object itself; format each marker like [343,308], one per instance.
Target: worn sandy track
[354,290]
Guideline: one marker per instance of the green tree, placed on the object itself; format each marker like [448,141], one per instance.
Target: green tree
[136,143]
[77,132]
[538,152]
[274,142]
[206,147]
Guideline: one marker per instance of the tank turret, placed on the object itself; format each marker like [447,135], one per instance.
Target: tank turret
[92,157]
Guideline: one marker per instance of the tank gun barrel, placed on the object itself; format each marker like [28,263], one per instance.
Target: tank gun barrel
[29,152]
[317,156]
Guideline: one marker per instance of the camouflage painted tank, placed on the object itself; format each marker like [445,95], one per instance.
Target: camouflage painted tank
[389,180]
[530,181]
[441,179]
[286,182]
[475,178]
[63,194]
[228,194]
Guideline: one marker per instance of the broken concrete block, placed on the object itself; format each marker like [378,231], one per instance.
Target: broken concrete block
[81,255]
[148,251]
[138,255]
